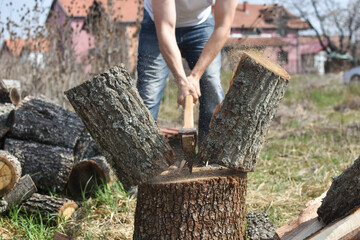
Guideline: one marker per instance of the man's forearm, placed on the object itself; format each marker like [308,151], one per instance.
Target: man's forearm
[224,11]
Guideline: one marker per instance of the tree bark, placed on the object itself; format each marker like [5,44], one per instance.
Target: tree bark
[238,129]
[23,190]
[207,204]
[44,122]
[86,175]
[343,195]
[10,172]
[85,147]
[63,208]
[48,165]
[117,119]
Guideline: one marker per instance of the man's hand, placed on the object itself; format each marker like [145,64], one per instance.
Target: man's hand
[191,87]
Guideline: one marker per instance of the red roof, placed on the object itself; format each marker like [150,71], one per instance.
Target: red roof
[16,46]
[261,16]
[255,42]
[123,10]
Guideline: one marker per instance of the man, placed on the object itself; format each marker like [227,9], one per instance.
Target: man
[172,29]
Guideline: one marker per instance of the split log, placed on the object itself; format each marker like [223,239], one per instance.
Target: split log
[207,204]
[48,165]
[86,175]
[238,130]
[116,117]
[23,190]
[10,172]
[343,195]
[62,208]
[44,122]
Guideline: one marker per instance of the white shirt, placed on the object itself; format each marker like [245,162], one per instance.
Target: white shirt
[188,12]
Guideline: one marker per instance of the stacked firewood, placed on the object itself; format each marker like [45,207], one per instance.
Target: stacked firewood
[46,149]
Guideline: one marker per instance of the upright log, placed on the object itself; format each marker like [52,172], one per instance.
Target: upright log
[238,129]
[343,195]
[23,190]
[62,208]
[207,204]
[10,172]
[48,165]
[44,122]
[117,119]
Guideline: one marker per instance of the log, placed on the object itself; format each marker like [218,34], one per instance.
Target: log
[23,190]
[49,166]
[259,226]
[116,117]
[7,118]
[44,122]
[85,147]
[61,236]
[10,172]
[238,129]
[207,204]
[87,175]
[343,195]
[62,208]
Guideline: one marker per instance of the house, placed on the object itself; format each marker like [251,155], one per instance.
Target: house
[76,25]
[271,29]
[25,49]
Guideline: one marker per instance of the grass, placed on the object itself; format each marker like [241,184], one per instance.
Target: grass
[308,144]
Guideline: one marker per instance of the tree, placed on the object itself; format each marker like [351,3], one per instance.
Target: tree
[331,18]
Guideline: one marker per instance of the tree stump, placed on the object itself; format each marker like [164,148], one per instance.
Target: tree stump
[86,175]
[343,195]
[23,190]
[116,117]
[48,165]
[62,208]
[238,129]
[207,204]
[44,122]
[10,172]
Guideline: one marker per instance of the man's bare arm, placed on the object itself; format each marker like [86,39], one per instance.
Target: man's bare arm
[224,11]
[165,22]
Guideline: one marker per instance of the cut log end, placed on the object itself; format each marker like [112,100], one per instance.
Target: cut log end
[67,210]
[84,178]
[8,176]
[260,59]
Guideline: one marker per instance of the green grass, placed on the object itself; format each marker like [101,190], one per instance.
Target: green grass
[307,145]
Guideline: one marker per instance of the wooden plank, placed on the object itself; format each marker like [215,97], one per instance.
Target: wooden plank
[346,228]
[307,214]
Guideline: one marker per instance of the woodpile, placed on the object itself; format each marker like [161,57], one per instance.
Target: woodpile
[172,203]
[40,142]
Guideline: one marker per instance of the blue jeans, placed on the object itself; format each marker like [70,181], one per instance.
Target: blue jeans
[153,70]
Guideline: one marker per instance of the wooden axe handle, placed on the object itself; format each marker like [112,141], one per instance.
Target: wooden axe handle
[189,112]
